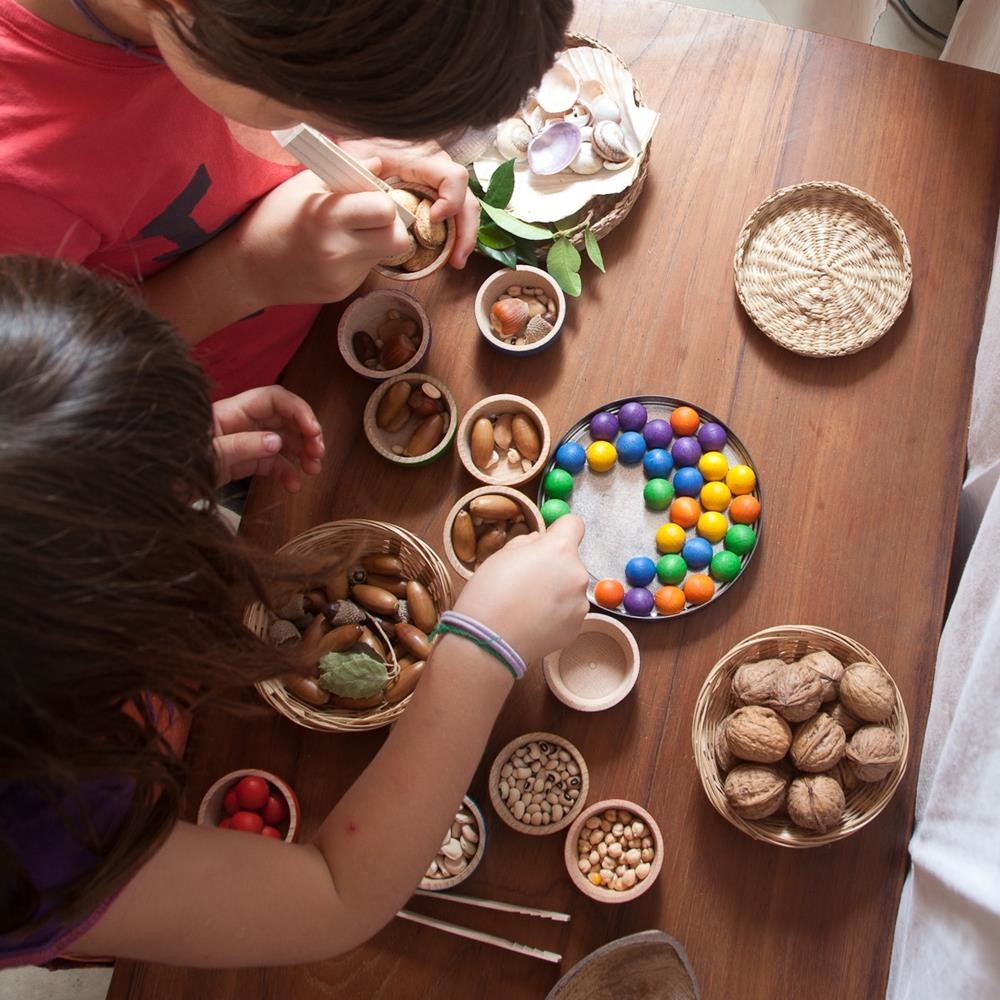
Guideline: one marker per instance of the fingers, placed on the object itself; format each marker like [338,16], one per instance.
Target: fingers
[568,530]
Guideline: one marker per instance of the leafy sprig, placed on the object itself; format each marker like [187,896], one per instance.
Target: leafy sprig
[505,238]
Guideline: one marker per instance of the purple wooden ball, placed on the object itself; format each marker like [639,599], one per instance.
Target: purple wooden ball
[603,426]
[686,451]
[638,601]
[632,416]
[658,433]
[712,436]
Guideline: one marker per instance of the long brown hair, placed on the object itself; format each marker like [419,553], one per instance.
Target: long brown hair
[114,584]
[402,69]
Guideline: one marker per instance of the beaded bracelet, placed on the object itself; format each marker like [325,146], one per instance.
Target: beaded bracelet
[454,623]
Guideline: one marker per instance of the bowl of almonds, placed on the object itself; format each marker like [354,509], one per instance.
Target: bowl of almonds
[430,243]
[800,736]
[461,849]
[483,522]
[504,439]
[520,311]
[411,419]
[384,333]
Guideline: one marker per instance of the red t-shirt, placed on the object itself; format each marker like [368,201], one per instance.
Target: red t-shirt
[109,161]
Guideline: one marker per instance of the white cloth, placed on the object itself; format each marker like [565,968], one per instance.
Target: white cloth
[974,39]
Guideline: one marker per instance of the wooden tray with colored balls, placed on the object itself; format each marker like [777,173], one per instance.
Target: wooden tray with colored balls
[671,499]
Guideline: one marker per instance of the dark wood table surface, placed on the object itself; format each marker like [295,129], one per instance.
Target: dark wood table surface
[861,460]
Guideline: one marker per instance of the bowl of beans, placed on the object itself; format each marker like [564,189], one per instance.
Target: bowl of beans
[252,801]
[461,850]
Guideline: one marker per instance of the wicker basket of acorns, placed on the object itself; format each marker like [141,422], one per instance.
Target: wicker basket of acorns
[800,736]
[362,633]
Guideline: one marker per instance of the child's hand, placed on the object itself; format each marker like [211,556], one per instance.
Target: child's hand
[266,432]
[533,592]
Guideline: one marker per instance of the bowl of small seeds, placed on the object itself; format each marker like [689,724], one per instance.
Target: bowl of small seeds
[520,311]
[411,419]
[384,333]
[504,439]
[461,849]
[614,851]
[483,522]
[430,243]
[538,783]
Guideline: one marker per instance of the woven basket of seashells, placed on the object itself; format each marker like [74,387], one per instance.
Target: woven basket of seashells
[581,143]
[362,632]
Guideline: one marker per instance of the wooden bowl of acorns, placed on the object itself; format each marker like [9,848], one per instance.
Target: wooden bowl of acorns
[360,633]
[800,736]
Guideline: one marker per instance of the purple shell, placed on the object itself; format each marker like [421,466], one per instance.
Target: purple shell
[638,601]
[712,436]
[603,426]
[686,451]
[658,433]
[632,416]
[554,148]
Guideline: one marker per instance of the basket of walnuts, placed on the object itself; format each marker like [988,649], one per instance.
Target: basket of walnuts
[800,736]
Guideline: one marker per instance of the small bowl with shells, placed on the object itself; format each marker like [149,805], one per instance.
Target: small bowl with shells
[520,310]
[613,851]
[430,244]
[504,439]
[411,419]
[483,522]
[538,783]
[384,333]
[461,850]
[800,736]
[359,631]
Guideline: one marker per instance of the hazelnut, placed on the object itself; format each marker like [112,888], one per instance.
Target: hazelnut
[758,734]
[874,751]
[798,693]
[843,718]
[829,668]
[754,683]
[815,802]
[755,791]
[818,744]
[867,692]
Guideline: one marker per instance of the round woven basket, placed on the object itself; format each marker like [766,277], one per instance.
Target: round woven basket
[822,268]
[716,701]
[346,540]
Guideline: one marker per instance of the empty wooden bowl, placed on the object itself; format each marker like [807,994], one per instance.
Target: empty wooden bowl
[459,855]
[597,669]
[213,808]
[504,439]
[508,331]
[618,818]
[384,333]
[484,541]
[429,401]
[426,260]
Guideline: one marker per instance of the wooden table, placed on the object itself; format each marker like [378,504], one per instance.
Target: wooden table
[861,460]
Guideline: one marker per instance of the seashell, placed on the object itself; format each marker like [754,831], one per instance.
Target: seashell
[537,329]
[590,89]
[609,141]
[558,90]
[578,115]
[513,136]
[554,148]
[534,117]
[508,317]
[604,108]
[587,160]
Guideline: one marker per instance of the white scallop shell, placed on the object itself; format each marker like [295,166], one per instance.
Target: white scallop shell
[558,89]
[554,148]
[589,89]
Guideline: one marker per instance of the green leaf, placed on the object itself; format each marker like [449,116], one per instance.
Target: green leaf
[352,674]
[474,186]
[493,236]
[563,263]
[501,185]
[514,225]
[570,282]
[569,222]
[507,256]
[593,249]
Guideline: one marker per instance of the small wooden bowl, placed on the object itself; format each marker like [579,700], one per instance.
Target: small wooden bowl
[367,313]
[597,669]
[572,857]
[716,700]
[398,273]
[525,276]
[576,782]
[470,808]
[503,472]
[532,517]
[211,811]
[382,440]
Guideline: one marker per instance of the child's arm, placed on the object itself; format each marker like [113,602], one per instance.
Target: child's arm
[218,898]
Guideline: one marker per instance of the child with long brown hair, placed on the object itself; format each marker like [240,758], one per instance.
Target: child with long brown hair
[121,590]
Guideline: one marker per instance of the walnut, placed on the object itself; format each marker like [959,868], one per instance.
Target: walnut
[867,692]
[829,668]
[844,773]
[818,744]
[754,683]
[758,734]
[755,791]
[723,755]
[874,751]
[843,718]
[815,802]
[798,693]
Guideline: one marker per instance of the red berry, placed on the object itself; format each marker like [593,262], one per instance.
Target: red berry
[229,803]
[248,821]
[275,810]
[252,792]
[226,823]
[270,831]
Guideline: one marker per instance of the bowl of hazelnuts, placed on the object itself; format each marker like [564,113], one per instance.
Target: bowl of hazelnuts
[800,736]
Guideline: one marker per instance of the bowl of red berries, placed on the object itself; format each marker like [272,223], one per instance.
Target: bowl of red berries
[253,801]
